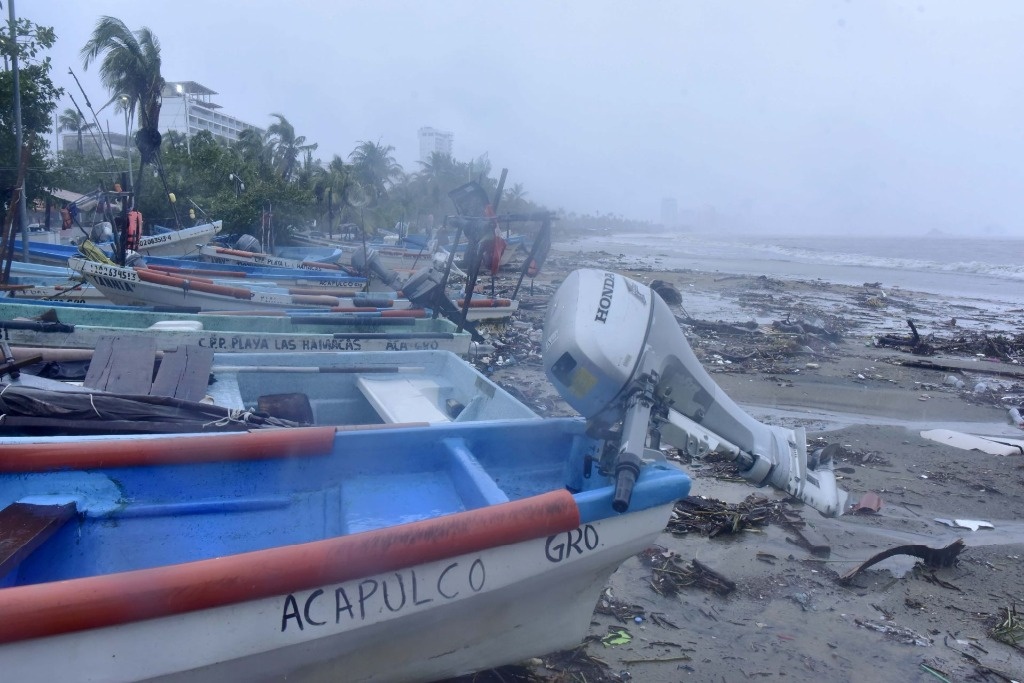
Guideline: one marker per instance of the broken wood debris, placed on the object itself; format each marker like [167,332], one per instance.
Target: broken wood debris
[711,518]
[671,574]
[932,557]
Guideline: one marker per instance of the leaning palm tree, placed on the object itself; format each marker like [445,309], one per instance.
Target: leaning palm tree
[375,168]
[131,65]
[287,146]
[74,121]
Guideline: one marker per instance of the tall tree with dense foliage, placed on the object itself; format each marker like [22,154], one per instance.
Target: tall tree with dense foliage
[130,65]
[375,168]
[39,97]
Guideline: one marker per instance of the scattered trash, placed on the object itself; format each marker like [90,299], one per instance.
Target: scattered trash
[969,442]
[1010,629]
[617,636]
[869,502]
[972,524]
[932,557]
[897,633]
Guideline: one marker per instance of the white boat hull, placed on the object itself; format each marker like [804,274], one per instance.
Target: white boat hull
[186,241]
[422,623]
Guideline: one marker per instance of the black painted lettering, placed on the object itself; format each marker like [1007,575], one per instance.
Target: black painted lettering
[477,575]
[364,596]
[401,590]
[291,611]
[309,603]
[415,587]
[440,580]
[342,604]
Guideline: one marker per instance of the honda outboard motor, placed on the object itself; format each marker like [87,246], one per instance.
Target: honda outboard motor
[615,352]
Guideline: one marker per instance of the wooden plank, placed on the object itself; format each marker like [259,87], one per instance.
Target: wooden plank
[184,373]
[122,365]
[24,527]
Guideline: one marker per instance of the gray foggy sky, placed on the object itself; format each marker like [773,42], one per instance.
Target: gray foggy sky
[827,116]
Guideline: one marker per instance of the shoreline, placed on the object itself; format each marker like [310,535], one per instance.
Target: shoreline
[789,618]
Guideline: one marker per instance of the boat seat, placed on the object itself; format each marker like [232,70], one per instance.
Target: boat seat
[403,399]
[26,526]
[177,325]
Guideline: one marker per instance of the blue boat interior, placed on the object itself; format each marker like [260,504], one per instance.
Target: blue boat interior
[129,518]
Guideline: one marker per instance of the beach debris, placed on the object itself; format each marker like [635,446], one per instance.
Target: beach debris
[869,502]
[710,517]
[578,665]
[667,291]
[932,557]
[617,635]
[914,343]
[972,524]
[670,574]
[1010,628]
[809,539]
[897,633]
[969,442]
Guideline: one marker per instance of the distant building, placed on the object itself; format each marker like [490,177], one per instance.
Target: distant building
[433,140]
[191,99]
[178,96]
[669,212]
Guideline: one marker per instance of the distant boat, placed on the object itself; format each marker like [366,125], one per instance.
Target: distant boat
[409,554]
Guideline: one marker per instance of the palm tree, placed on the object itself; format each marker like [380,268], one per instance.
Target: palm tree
[131,65]
[287,146]
[73,121]
[375,168]
[516,196]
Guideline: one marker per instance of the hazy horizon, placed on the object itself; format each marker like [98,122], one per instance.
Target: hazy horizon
[828,118]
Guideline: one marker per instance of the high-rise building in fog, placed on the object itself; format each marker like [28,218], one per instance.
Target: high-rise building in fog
[669,212]
[433,140]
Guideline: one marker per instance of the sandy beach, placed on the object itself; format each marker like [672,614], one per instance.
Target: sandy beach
[807,353]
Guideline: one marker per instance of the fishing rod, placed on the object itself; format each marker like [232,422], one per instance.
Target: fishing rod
[95,118]
[88,125]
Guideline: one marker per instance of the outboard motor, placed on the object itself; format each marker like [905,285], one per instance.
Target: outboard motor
[133,259]
[248,243]
[616,354]
[102,232]
[368,261]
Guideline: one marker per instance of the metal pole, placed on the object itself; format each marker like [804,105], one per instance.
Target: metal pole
[127,145]
[18,132]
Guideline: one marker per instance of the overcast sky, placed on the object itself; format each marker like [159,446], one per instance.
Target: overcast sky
[824,116]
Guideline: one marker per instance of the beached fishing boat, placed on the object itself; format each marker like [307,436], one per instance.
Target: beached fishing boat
[50,324]
[121,389]
[287,553]
[163,243]
[148,287]
[218,254]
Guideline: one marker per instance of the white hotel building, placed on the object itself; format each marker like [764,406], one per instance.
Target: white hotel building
[192,100]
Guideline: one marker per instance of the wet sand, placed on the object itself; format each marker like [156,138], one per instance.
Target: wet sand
[789,618]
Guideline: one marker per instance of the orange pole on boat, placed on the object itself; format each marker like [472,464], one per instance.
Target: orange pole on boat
[49,609]
[198,284]
[181,272]
[84,455]
[317,300]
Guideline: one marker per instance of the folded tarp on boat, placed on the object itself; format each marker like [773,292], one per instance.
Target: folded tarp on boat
[30,410]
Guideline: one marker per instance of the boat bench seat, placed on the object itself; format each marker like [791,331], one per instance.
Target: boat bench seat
[177,325]
[403,399]
[26,526]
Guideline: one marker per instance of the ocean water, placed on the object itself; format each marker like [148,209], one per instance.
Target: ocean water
[975,269]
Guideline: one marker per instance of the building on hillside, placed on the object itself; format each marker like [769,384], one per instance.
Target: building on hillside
[433,140]
[188,109]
